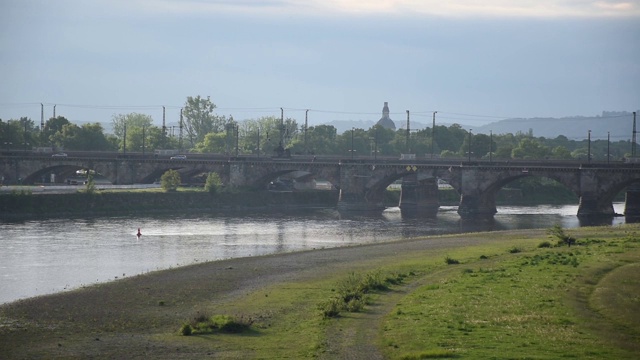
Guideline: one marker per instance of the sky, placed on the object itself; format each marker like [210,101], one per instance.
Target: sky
[473,62]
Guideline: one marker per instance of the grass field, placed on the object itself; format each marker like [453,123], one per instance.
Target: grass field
[509,299]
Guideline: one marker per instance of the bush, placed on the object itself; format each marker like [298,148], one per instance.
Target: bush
[186,330]
[450,261]
[544,244]
[213,183]
[218,323]
[563,238]
[170,180]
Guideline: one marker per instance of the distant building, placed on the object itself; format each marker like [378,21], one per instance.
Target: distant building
[385,121]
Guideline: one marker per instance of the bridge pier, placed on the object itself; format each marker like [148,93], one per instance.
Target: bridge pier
[632,201]
[419,197]
[355,194]
[477,206]
[593,205]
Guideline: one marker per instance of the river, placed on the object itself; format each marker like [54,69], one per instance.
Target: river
[46,256]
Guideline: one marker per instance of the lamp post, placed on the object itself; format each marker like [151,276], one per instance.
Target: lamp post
[433,132]
[352,130]
[490,146]
[469,145]
[589,146]
[608,148]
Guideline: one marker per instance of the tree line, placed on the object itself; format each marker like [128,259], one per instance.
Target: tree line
[203,131]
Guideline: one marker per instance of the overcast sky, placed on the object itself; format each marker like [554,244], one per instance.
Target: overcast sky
[473,62]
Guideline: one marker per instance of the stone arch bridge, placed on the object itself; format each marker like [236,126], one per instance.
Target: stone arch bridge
[361,182]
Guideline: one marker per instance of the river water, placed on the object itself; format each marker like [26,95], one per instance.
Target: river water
[46,256]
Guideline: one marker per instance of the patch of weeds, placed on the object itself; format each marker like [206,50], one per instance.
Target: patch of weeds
[450,261]
[216,324]
[484,257]
[515,250]
[467,271]
[352,292]
[430,354]
[544,244]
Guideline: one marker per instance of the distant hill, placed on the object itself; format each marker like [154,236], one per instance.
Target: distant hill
[618,123]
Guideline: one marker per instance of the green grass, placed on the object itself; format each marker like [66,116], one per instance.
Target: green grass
[536,303]
[521,305]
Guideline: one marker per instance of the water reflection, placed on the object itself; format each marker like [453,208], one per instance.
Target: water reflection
[45,256]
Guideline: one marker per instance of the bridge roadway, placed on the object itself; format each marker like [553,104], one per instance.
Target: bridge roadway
[361,180]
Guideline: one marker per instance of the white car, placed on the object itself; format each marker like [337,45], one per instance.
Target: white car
[59,155]
[179,157]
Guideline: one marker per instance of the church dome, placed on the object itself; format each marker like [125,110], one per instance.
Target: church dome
[385,121]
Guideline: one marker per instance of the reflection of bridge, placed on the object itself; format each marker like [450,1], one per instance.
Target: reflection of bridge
[361,182]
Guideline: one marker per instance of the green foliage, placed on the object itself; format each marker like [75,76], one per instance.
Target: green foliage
[515,250]
[352,292]
[170,180]
[217,324]
[450,261]
[90,187]
[200,120]
[213,183]
[563,238]
[544,244]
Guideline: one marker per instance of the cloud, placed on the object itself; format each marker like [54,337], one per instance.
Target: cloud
[456,8]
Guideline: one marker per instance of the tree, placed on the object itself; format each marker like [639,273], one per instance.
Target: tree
[561,153]
[321,139]
[558,232]
[51,127]
[170,180]
[529,148]
[199,119]
[213,183]
[90,187]
[133,123]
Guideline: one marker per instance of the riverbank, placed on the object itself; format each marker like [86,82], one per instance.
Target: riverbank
[21,205]
[140,317]
[26,204]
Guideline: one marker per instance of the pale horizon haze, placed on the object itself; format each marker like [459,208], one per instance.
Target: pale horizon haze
[341,60]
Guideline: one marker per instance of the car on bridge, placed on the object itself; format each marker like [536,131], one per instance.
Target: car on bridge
[59,155]
[178,157]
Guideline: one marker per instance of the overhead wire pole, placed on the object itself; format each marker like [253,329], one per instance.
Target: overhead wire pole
[433,132]
[281,129]
[180,140]
[41,116]
[164,129]
[633,137]
[408,134]
[306,125]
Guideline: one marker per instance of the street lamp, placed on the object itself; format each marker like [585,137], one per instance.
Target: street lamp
[352,130]
[589,146]
[469,145]
[433,132]
[608,149]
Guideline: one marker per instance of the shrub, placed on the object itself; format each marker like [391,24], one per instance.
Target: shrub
[449,261]
[90,187]
[544,244]
[186,330]
[213,183]
[331,308]
[218,323]
[563,238]
[170,180]
[515,250]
